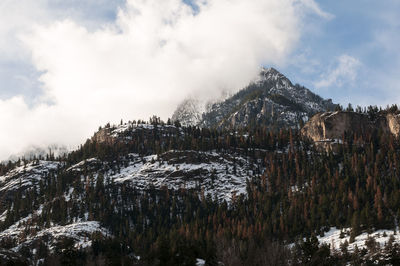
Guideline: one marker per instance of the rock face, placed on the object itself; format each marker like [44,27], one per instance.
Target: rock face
[331,126]
[103,135]
[272,100]
[393,121]
[188,112]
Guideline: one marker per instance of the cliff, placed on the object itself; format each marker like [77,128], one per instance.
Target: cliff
[393,122]
[103,135]
[329,127]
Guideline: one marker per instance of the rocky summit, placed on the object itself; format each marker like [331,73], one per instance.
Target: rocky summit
[271,100]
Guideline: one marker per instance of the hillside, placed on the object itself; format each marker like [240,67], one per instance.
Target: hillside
[156,193]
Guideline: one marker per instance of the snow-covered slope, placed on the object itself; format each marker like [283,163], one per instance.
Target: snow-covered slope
[26,176]
[78,232]
[219,175]
[337,237]
[26,231]
[223,176]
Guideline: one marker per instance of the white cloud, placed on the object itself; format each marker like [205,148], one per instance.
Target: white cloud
[314,7]
[17,17]
[17,75]
[345,72]
[151,57]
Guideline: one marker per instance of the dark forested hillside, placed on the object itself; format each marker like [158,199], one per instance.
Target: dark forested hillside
[155,193]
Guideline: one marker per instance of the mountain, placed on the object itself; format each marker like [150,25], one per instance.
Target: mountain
[156,193]
[271,100]
[50,203]
[188,113]
[219,174]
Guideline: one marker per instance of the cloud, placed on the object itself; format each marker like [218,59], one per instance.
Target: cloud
[345,72]
[152,56]
[17,74]
[314,7]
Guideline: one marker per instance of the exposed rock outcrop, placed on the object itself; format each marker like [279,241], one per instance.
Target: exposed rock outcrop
[393,122]
[330,127]
[103,136]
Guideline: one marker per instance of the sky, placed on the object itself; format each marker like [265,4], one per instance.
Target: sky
[69,66]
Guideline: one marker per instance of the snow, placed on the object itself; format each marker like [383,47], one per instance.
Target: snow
[26,176]
[78,166]
[131,127]
[200,262]
[3,216]
[296,188]
[80,232]
[189,112]
[67,196]
[15,229]
[333,239]
[209,172]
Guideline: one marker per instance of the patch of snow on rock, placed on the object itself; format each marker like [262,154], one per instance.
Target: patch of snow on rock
[221,177]
[200,262]
[80,232]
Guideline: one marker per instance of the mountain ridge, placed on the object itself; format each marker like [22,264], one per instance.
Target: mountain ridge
[271,100]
